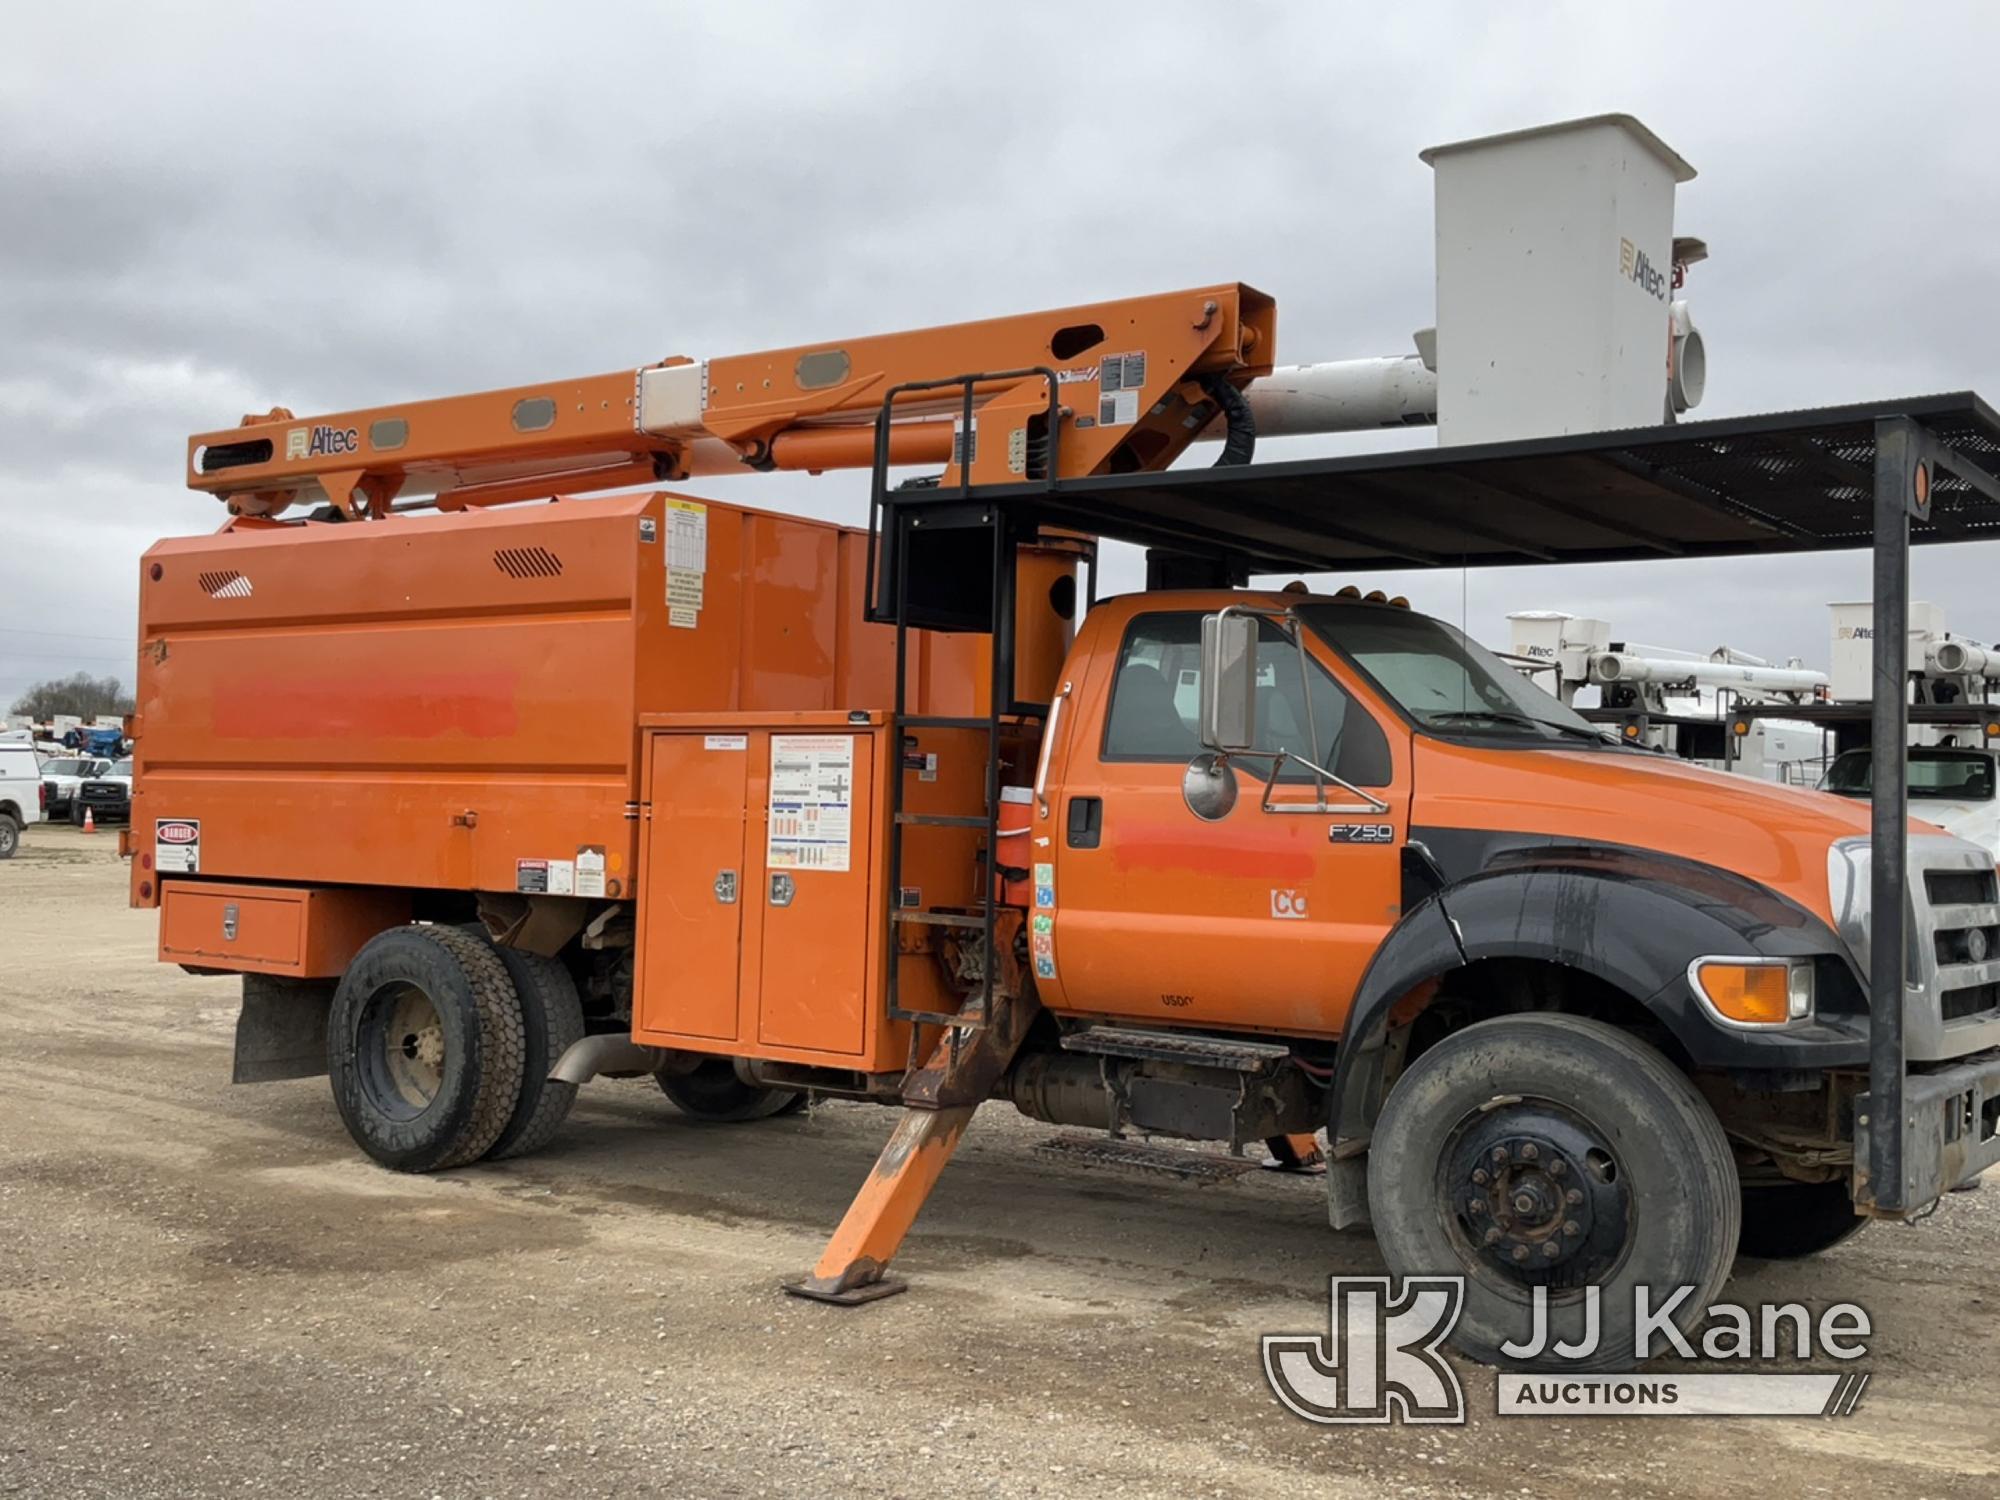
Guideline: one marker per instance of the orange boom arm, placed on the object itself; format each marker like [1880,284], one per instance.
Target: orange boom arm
[1129,375]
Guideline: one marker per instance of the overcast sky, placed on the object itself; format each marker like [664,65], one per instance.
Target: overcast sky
[206,210]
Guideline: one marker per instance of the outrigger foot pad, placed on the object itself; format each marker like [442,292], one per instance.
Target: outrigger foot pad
[869,1291]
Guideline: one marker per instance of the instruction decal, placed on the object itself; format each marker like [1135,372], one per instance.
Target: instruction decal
[1042,942]
[1120,380]
[812,802]
[1045,888]
[177,846]
[590,870]
[687,562]
[531,876]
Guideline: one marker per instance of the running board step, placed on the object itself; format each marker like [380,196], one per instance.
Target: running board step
[1180,1047]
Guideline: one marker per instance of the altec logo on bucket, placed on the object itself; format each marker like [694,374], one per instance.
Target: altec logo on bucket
[1637,267]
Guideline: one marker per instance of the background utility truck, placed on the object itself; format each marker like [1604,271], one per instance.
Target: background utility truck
[489,798]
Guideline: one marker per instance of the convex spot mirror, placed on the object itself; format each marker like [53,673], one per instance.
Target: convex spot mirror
[1209,787]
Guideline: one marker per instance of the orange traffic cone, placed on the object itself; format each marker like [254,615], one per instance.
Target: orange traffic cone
[89,821]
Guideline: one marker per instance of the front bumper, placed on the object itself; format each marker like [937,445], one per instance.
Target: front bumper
[1951,1130]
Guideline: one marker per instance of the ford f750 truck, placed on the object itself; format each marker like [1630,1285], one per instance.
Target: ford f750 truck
[484,794]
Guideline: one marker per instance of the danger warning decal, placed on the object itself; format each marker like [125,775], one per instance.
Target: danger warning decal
[177,846]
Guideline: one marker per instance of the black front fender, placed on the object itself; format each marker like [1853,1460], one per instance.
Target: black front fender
[1631,918]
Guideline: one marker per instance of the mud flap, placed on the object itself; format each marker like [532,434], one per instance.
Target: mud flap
[1347,1191]
[281,1030]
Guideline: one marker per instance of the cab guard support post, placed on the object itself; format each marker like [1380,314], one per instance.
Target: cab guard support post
[1907,462]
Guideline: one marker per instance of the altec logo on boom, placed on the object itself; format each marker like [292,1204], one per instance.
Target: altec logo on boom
[317,442]
[1637,267]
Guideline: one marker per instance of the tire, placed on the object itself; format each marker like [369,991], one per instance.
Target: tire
[1793,1220]
[10,836]
[426,1048]
[1630,1182]
[552,1016]
[712,1092]
[76,815]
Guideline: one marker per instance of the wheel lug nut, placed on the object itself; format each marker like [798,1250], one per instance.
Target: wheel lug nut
[1551,1250]
[1500,1155]
[1530,1152]
[1573,1197]
[1475,1206]
[1493,1236]
[1520,1252]
[1570,1226]
[1479,1175]
[1558,1167]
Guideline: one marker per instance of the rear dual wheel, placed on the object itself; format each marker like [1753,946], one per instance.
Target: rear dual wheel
[439,1047]
[711,1091]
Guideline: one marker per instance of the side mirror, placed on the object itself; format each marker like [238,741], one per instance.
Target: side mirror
[1228,681]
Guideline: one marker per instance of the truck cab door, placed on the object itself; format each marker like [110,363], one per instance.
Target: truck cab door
[1257,920]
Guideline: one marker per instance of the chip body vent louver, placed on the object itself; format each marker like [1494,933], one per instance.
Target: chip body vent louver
[527,562]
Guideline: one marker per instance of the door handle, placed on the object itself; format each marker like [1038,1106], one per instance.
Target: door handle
[782,889]
[1086,822]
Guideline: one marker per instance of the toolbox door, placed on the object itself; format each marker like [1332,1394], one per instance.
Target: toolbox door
[813,980]
[691,948]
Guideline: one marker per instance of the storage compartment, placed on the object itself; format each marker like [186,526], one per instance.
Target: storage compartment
[757,923]
[763,886]
[303,931]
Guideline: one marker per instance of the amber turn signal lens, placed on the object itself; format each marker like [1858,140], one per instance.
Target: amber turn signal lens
[1751,994]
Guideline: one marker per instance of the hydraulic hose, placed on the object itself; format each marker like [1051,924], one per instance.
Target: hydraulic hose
[1239,442]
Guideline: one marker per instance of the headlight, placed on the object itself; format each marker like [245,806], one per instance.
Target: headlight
[1753,992]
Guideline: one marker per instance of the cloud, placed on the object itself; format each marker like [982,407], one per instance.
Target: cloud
[212,209]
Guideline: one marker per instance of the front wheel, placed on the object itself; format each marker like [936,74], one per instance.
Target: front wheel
[10,836]
[712,1091]
[1553,1151]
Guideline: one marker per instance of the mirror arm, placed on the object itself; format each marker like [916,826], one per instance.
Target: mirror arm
[1369,803]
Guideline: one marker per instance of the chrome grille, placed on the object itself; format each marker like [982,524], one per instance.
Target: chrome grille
[1952,971]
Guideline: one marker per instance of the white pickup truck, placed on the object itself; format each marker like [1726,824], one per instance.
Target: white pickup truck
[64,776]
[20,792]
[1956,787]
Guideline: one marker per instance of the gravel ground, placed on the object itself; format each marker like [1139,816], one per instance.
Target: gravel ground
[206,1291]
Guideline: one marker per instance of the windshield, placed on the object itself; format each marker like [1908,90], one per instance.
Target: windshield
[120,768]
[1445,681]
[1948,775]
[64,768]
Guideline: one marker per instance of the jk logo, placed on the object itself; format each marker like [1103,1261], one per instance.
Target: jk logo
[1379,1360]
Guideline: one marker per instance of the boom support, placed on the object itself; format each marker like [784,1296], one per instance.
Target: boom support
[1131,377]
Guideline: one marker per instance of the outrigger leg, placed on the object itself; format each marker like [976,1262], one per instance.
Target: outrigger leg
[850,1269]
[939,1100]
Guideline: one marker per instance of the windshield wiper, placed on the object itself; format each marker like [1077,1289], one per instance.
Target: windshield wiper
[1480,716]
[1525,721]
